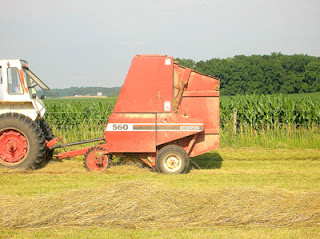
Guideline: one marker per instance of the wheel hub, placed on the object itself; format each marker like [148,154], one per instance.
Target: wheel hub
[97,161]
[13,146]
[172,162]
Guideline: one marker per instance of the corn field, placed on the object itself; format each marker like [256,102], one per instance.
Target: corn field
[253,111]
[76,113]
[270,112]
[268,121]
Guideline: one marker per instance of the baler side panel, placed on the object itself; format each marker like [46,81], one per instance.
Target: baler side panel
[131,133]
[205,109]
[204,143]
[171,127]
[208,83]
[148,85]
[200,102]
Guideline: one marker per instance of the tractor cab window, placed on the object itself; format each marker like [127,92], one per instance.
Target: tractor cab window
[14,81]
[32,86]
[33,82]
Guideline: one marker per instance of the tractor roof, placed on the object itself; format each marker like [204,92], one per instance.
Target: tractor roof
[7,61]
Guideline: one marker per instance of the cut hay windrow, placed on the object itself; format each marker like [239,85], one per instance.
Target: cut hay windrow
[141,205]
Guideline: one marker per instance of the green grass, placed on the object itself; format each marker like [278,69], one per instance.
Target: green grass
[286,137]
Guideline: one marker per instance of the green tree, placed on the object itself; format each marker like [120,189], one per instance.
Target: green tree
[312,76]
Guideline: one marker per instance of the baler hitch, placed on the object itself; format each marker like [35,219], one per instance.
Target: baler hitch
[75,143]
[51,145]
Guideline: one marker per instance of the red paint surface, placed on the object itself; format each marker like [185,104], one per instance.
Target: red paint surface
[13,146]
[53,142]
[131,141]
[71,154]
[148,84]
[194,98]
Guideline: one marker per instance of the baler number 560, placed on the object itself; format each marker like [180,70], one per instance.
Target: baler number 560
[119,127]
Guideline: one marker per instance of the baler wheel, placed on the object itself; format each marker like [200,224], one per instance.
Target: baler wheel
[96,159]
[22,143]
[172,159]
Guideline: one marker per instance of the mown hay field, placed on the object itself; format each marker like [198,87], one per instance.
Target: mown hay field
[238,193]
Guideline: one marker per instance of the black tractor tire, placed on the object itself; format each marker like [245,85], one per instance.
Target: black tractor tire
[46,129]
[48,135]
[16,127]
[172,159]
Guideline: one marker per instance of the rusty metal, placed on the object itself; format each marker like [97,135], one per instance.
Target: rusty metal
[183,84]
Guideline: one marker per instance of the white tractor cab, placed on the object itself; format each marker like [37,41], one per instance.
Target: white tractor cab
[17,90]
[23,132]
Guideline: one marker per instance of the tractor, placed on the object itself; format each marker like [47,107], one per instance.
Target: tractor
[23,131]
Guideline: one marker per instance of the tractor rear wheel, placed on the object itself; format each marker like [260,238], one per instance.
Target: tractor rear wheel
[22,144]
[172,159]
[46,129]
[96,159]
[48,135]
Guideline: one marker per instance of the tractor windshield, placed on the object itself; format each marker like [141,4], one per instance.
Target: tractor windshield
[33,80]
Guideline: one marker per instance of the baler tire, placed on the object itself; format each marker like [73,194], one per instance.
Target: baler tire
[48,135]
[91,156]
[26,140]
[180,160]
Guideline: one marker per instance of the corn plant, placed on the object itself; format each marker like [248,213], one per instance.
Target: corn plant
[254,112]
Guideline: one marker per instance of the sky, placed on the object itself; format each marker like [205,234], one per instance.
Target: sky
[91,43]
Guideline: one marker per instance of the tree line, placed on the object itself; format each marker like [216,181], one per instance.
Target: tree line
[72,91]
[262,74]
